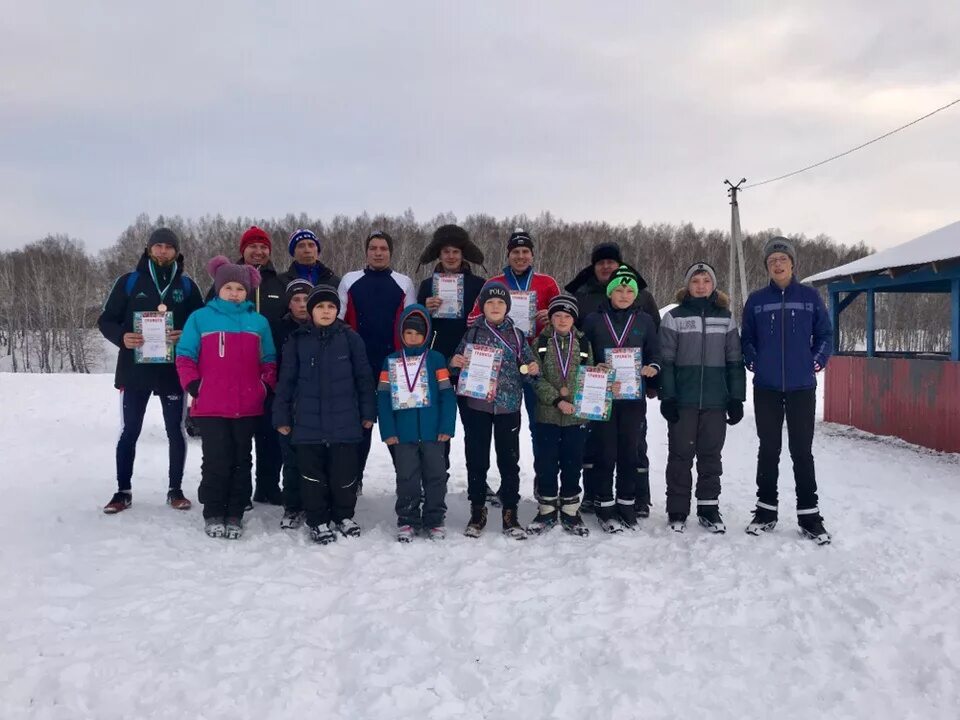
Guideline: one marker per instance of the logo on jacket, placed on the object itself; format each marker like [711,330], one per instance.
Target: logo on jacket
[139,295]
[177,295]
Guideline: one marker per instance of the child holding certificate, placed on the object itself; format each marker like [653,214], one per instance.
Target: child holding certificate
[623,338]
[702,389]
[561,350]
[226,361]
[417,409]
[495,361]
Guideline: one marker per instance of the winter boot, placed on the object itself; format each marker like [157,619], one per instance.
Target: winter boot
[268,496]
[811,526]
[214,527]
[709,517]
[492,497]
[546,516]
[678,522]
[608,518]
[511,526]
[176,500]
[589,505]
[627,512]
[764,520]
[570,519]
[291,520]
[643,510]
[323,534]
[348,528]
[119,502]
[437,533]
[232,528]
[478,521]
[405,533]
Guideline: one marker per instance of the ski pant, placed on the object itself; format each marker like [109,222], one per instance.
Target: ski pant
[421,475]
[291,475]
[269,455]
[133,402]
[225,471]
[697,434]
[328,487]
[620,444]
[478,427]
[592,467]
[363,449]
[798,407]
[561,454]
[530,404]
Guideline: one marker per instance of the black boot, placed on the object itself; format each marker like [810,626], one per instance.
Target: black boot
[511,526]
[478,521]
[546,516]
[811,526]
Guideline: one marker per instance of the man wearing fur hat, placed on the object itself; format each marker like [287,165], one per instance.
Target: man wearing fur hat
[702,389]
[157,285]
[304,247]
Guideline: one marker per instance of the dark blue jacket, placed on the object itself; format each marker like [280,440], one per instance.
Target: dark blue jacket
[325,390]
[784,333]
[419,424]
[643,334]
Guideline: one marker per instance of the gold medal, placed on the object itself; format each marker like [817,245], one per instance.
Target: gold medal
[524,369]
[161,308]
[564,391]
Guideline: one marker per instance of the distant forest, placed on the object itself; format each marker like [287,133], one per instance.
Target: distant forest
[52,289]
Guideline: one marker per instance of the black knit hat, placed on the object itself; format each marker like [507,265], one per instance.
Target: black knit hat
[297,287]
[414,321]
[323,293]
[605,251]
[165,236]
[564,302]
[379,234]
[520,238]
[492,290]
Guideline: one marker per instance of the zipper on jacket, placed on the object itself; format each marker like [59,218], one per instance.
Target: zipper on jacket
[222,344]
[783,339]
[703,350]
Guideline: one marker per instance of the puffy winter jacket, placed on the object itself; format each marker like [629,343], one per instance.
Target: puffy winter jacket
[227,346]
[418,424]
[784,333]
[544,285]
[325,391]
[700,361]
[551,380]
[643,335]
[449,331]
[509,381]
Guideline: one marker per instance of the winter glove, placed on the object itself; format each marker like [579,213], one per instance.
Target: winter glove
[668,408]
[734,412]
[194,388]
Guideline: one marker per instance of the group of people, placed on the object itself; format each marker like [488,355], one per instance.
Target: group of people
[304,364]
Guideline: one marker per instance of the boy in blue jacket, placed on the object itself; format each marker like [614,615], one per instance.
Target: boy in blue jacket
[417,408]
[787,338]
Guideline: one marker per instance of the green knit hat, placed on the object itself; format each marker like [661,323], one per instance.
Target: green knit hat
[623,275]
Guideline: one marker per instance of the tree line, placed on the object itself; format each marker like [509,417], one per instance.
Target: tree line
[52,289]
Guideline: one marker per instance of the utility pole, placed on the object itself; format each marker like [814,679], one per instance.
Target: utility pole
[736,246]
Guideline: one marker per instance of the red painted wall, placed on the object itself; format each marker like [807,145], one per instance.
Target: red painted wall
[917,400]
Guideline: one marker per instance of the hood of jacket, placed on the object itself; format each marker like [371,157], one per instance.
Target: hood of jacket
[415,309]
[719,298]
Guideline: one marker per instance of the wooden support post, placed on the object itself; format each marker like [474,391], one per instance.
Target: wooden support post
[955,319]
[871,325]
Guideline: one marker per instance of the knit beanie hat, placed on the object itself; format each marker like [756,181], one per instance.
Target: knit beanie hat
[164,236]
[519,238]
[301,234]
[564,302]
[623,275]
[699,267]
[379,234]
[323,293]
[605,251]
[223,270]
[491,290]
[298,286]
[414,321]
[255,235]
[779,245]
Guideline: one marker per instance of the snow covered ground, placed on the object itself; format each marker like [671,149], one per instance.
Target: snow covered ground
[140,615]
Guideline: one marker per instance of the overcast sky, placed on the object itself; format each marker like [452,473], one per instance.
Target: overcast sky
[617,111]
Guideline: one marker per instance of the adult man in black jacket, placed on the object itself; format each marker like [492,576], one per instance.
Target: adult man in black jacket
[304,248]
[590,284]
[157,285]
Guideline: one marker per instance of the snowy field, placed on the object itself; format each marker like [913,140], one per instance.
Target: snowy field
[141,615]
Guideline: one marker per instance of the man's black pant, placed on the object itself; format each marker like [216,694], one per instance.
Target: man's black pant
[697,434]
[477,429]
[133,403]
[620,444]
[561,453]
[593,465]
[291,475]
[328,487]
[799,408]
[225,470]
[269,455]
[421,474]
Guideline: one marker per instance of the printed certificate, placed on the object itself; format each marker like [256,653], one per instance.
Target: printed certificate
[449,288]
[627,364]
[153,326]
[593,399]
[479,378]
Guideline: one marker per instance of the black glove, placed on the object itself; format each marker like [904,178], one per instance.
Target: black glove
[194,388]
[668,408]
[734,412]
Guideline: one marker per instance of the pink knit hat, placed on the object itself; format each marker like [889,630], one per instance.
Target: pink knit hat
[223,270]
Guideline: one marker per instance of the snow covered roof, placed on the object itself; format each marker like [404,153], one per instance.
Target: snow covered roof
[939,246]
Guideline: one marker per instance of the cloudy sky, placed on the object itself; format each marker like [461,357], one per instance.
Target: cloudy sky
[620,111]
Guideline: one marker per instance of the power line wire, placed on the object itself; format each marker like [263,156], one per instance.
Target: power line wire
[852,150]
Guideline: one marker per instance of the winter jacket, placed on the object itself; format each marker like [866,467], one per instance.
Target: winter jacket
[550,381]
[784,333]
[316,274]
[371,302]
[418,424]
[227,346]
[643,335]
[590,294]
[544,285]
[449,331]
[700,361]
[137,292]
[270,298]
[282,331]
[510,381]
[325,391]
